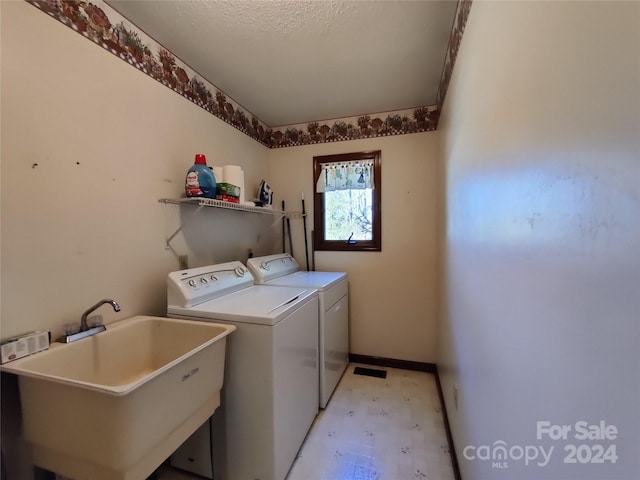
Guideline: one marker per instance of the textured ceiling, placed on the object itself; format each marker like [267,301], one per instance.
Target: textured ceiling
[291,62]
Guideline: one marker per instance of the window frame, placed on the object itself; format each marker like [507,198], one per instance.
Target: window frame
[319,242]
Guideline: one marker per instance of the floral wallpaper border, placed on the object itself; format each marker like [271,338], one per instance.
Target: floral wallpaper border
[397,122]
[104,26]
[459,22]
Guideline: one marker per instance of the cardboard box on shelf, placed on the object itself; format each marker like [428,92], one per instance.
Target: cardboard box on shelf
[228,192]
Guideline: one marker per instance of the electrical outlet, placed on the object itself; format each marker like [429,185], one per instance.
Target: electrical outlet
[455,397]
[183,262]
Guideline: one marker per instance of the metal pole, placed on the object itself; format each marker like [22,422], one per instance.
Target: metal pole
[290,239]
[313,252]
[304,224]
[283,244]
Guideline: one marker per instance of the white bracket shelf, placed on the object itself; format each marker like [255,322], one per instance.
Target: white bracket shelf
[210,202]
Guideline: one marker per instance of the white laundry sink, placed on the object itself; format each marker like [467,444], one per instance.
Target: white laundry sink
[117,404]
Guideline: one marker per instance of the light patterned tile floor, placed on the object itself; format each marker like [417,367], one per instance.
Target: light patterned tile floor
[378,429]
[374,429]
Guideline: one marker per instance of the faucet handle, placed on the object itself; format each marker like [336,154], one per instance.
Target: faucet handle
[71,327]
[95,321]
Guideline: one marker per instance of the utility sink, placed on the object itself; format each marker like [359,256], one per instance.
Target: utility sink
[115,405]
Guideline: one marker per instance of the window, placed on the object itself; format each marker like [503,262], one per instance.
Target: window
[346,204]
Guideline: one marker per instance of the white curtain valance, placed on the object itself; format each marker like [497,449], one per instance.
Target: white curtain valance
[345,176]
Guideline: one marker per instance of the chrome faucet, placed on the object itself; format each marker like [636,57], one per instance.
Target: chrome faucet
[85,330]
[83,320]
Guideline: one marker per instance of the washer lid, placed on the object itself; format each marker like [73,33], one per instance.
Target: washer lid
[258,304]
[319,280]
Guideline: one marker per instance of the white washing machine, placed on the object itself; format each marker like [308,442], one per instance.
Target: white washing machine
[270,393]
[282,270]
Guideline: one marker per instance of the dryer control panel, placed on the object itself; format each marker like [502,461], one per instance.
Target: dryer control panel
[272,266]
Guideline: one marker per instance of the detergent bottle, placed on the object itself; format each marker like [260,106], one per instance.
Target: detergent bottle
[200,181]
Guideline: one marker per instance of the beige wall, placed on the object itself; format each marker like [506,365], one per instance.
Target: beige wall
[85,223]
[89,145]
[542,268]
[393,292]
[108,141]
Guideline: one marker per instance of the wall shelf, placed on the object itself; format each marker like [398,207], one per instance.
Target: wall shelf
[212,203]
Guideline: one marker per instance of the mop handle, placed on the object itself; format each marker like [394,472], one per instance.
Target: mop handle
[304,224]
[283,236]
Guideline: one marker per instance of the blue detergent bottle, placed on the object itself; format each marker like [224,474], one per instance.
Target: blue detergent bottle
[200,181]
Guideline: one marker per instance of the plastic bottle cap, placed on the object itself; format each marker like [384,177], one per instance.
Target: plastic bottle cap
[201,159]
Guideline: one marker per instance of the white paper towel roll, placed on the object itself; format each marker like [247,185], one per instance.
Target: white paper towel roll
[218,172]
[234,175]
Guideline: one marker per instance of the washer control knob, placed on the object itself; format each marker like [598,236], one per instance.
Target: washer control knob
[239,271]
[192,282]
[204,280]
[214,278]
[264,266]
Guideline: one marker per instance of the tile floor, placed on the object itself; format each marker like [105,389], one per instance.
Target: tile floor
[374,429]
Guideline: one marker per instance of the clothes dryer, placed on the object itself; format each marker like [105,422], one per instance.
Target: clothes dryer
[282,270]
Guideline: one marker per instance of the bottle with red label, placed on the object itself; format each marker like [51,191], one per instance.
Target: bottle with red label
[200,181]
